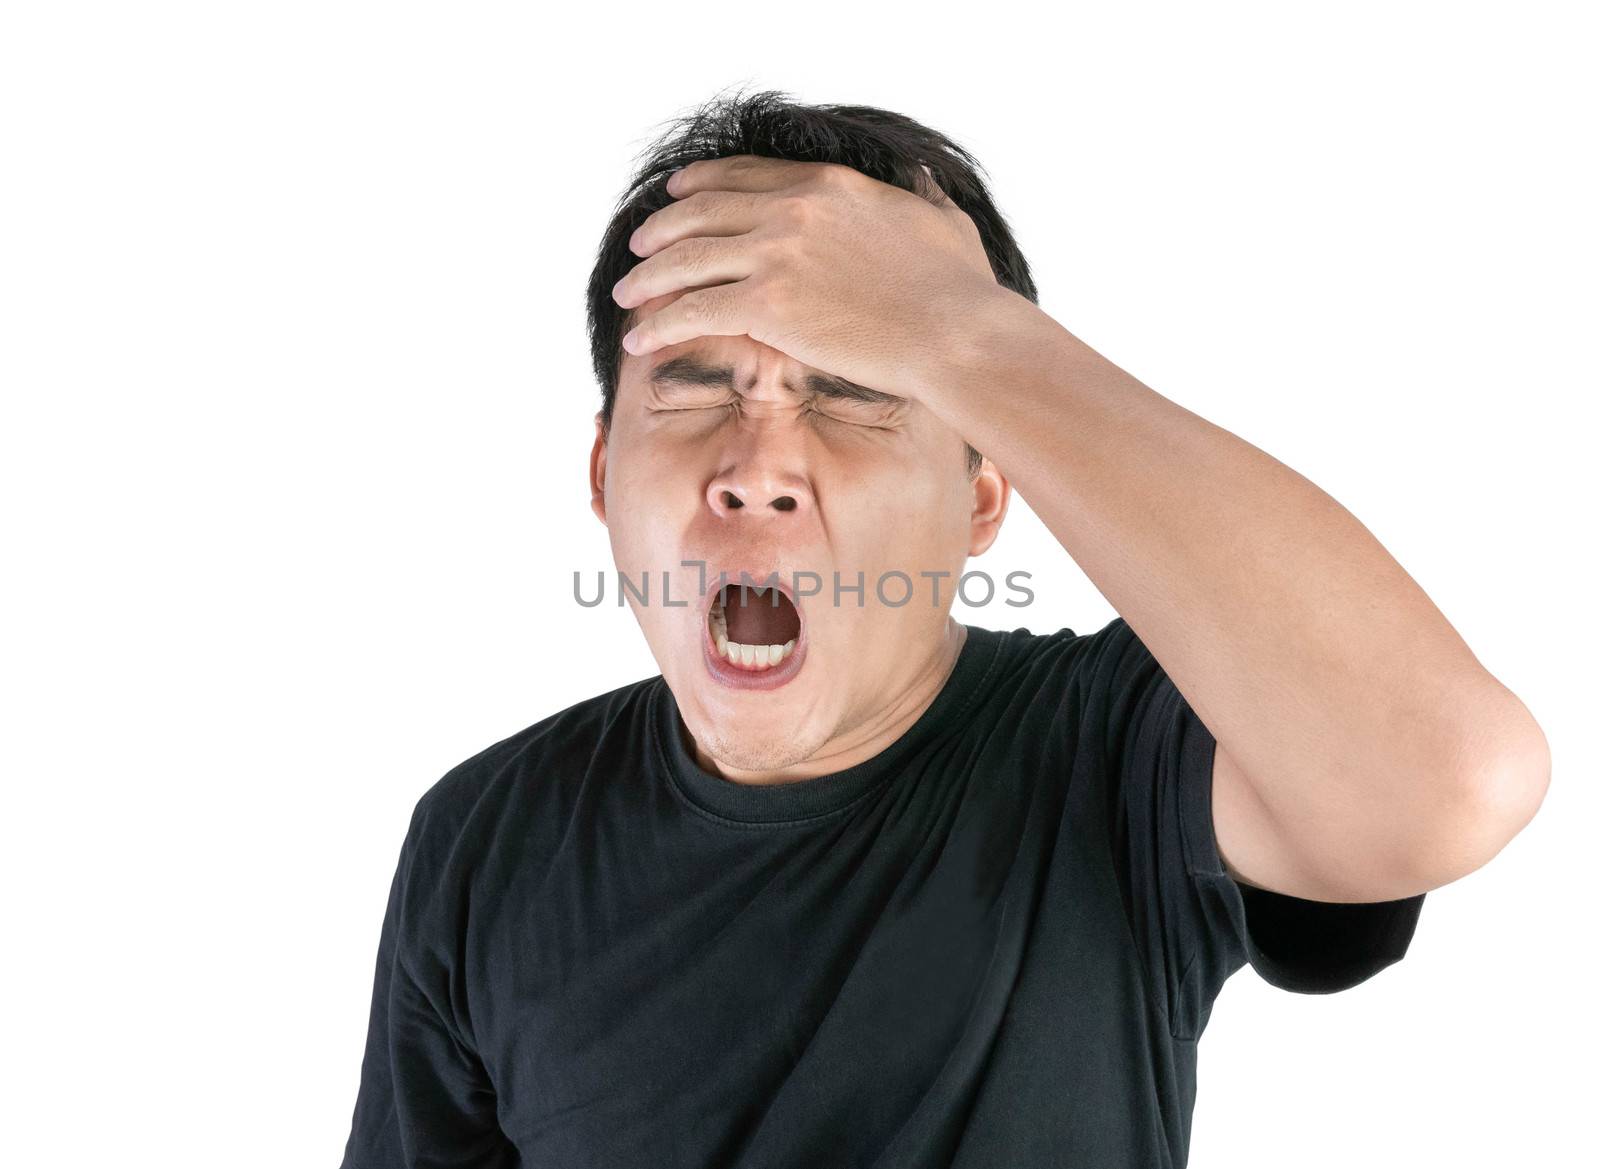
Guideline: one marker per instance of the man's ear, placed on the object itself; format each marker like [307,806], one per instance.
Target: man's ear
[597,470]
[991,495]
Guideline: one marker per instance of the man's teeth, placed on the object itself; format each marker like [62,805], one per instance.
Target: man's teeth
[753,657]
[748,657]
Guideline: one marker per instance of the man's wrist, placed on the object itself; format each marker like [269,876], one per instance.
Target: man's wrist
[1001,335]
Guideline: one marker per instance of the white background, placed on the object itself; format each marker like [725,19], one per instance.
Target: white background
[296,424]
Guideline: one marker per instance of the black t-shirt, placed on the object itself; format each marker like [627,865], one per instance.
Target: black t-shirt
[996,943]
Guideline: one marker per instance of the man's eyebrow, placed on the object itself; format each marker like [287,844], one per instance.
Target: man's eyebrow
[691,371]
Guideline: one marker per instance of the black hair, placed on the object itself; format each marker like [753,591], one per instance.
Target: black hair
[883,145]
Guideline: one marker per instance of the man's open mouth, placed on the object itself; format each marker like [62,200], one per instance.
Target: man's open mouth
[753,628]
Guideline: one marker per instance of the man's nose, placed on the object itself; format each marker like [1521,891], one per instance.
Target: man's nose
[761,480]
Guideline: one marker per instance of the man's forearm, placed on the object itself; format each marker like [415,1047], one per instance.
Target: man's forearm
[1313,657]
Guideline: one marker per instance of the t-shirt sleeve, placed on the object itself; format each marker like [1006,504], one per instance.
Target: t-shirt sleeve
[424,1096]
[1194,925]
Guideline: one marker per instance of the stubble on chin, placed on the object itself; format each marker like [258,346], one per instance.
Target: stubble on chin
[745,753]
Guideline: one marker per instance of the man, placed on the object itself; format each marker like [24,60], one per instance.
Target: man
[851,883]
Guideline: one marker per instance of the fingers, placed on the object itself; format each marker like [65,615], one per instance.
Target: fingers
[705,312]
[737,172]
[707,213]
[685,264]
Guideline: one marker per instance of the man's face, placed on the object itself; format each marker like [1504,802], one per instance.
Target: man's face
[722,450]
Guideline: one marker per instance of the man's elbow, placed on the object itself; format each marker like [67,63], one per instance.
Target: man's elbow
[1499,786]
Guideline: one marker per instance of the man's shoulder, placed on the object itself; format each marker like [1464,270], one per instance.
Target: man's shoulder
[1046,679]
[1024,657]
[1064,647]
[537,761]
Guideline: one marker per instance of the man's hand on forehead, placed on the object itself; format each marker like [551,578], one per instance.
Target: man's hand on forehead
[843,273]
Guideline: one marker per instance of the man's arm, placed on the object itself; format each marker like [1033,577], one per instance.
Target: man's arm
[1363,752]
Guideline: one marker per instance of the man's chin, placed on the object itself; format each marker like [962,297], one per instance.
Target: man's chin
[741,750]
